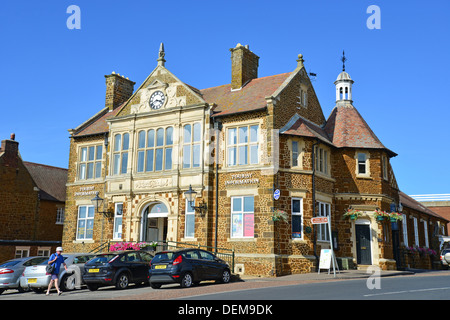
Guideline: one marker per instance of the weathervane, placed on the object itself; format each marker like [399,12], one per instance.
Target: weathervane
[343,59]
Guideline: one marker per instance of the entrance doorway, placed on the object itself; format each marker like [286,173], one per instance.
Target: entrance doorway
[363,244]
[154,223]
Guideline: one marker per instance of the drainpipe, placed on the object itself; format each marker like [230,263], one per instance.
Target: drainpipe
[217,127]
[314,200]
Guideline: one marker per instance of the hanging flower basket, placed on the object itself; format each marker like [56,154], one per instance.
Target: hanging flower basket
[353,214]
[394,217]
[381,215]
[279,215]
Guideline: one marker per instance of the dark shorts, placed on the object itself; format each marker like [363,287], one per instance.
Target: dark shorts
[54,276]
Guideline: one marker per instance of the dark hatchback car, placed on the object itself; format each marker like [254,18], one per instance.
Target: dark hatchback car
[119,268]
[187,267]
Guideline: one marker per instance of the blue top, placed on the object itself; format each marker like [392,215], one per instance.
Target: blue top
[57,263]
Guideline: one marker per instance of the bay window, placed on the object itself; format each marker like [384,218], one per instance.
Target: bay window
[155,150]
[192,145]
[120,153]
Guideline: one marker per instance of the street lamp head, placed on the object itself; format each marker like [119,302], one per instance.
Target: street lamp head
[97,202]
[190,195]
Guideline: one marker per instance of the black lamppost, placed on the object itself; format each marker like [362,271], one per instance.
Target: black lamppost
[190,197]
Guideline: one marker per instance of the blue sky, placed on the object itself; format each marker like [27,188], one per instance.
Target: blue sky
[52,78]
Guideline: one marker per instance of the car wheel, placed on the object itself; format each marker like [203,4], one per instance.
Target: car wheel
[226,276]
[186,281]
[122,281]
[68,282]
[92,287]
[155,285]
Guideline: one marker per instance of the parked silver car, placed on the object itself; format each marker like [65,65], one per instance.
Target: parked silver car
[445,257]
[11,270]
[35,277]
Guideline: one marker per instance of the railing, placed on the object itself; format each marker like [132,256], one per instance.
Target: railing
[222,253]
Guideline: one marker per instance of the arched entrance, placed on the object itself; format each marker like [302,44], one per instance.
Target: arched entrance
[154,222]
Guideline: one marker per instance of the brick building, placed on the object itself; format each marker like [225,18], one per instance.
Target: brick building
[32,201]
[235,145]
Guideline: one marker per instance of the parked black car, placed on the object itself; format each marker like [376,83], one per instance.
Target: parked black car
[118,268]
[187,267]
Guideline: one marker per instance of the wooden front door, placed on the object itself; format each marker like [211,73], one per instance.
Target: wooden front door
[363,251]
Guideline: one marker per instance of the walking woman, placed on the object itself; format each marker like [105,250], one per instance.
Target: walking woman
[57,260]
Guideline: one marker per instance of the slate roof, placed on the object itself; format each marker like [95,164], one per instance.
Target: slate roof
[299,126]
[347,128]
[409,202]
[249,98]
[97,124]
[51,181]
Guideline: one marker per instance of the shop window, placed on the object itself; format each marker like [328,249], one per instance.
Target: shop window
[118,214]
[192,145]
[120,155]
[85,223]
[155,150]
[189,225]
[297,218]
[322,229]
[242,217]
[90,162]
[242,146]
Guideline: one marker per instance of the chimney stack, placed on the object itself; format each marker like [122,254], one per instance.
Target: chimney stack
[118,90]
[10,150]
[244,66]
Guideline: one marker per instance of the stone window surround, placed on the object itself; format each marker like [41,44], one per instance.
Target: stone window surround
[367,174]
[78,161]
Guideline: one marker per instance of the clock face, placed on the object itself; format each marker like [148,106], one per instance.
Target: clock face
[157,100]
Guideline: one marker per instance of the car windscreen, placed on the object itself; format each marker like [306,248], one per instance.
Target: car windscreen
[163,257]
[103,259]
[47,259]
[36,261]
[9,263]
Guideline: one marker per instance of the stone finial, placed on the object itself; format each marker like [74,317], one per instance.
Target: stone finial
[161,55]
[300,61]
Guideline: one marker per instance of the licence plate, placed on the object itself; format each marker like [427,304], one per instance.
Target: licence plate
[161,267]
[94,270]
[32,280]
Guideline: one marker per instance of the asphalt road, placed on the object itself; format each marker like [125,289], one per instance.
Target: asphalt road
[426,286]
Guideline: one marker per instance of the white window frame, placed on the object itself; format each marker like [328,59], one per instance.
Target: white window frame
[90,168]
[143,152]
[237,145]
[240,231]
[86,220]
[366,164]
[60,215]
[385,167]
[322,229]
[297,214]
[22,252]
[425,232]
[120,154]
[190,212]
[321,155]
[44,251]
[416,232]
[190,144]
[405,230]
[118,221]
[295,159]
